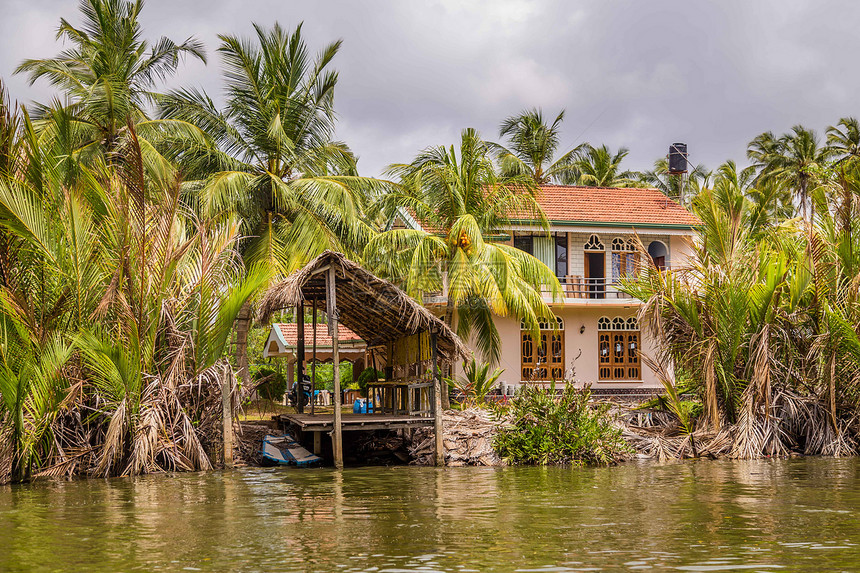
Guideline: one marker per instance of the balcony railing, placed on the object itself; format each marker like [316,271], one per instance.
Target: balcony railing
[588,288]
[572,287]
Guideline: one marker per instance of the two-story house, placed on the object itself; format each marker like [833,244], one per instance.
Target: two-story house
[590,246]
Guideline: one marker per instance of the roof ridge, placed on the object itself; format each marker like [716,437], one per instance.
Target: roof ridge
[599,187]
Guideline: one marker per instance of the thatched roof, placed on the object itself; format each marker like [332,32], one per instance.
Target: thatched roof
[371,307]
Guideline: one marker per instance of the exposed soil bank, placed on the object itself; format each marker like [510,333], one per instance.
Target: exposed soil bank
[469,434]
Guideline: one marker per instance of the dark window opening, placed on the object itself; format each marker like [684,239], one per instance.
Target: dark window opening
[524,243]
[561,255]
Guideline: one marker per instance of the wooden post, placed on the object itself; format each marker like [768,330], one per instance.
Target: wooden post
[314,363]
[371,390]
[300,354]
[331,310]
[227,421]
[439,452]
[317,442]
[291,376]
[314,368]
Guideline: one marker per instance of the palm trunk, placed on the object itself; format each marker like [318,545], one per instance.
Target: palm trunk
[17,473]
[804,199]
[446,367]
[243,325]
[831,383]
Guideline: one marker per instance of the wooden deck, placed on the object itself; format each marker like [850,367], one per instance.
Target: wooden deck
[353,422]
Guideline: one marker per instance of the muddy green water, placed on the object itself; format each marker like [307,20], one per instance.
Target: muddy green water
[797,515]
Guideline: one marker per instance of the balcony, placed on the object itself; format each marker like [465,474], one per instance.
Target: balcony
[574,287]
[575,290]
[597,291]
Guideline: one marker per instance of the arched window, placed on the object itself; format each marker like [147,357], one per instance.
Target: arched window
[544,324]
[619,244]
[618,342]
[624,258]
[542,360]
[594,244]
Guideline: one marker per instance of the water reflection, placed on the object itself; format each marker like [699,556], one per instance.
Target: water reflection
[700,516]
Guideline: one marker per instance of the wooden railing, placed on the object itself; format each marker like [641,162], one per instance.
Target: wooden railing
[573,286]
[413,398]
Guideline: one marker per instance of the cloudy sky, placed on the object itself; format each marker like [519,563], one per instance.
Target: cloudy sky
[639,74]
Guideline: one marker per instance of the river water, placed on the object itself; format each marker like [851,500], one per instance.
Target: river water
[794,515]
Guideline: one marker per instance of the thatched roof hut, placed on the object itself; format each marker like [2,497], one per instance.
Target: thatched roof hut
[373,308]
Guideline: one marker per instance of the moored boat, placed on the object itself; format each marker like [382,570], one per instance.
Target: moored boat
[284,450]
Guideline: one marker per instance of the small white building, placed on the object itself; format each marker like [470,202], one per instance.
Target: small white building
[283,342]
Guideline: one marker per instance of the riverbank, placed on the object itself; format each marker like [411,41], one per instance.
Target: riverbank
[468,439]
[652,434]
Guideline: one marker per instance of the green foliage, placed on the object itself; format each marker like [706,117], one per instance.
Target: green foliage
[367,376]
[531,147]
[107,76]
[766,308]
[687,411]
[475,382]
[550,428]
[273,385]
[599,167]
[274,161]
[325,376]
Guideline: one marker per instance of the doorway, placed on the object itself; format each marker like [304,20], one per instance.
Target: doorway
[595,274]
[658,252]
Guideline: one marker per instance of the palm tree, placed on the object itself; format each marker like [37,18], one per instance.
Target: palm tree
[844,139]
[275,163]
[463,202]
[679,187]
[531,147]
[767,204]
[599,167]
[724,319]
[108,78]
[794,159]
[10,126]
[763,320]
[110,271]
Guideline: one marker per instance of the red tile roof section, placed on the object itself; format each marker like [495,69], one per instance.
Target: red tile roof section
[626,206]
[290,333]
[629,206]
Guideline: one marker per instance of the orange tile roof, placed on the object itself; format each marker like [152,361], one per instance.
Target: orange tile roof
[290,333]
[606,205]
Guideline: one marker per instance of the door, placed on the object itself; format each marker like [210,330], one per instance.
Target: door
[595,274]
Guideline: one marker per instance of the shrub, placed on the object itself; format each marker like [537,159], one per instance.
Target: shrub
[475,382]
[551,428]
[367,376]
[273,384]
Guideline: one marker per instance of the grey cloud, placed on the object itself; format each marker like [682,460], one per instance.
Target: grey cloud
[632,73]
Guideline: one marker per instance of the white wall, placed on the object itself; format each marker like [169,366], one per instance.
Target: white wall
[580,349]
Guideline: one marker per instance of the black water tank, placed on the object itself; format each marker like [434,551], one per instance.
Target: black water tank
[678,158]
